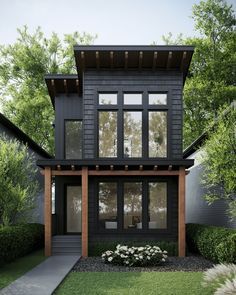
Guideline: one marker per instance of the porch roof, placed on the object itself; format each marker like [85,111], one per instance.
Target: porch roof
[129,164]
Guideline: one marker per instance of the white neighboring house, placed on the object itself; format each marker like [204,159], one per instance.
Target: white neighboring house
[13,132]
[197,210]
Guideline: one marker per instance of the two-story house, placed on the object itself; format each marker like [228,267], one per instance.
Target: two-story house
[119,171]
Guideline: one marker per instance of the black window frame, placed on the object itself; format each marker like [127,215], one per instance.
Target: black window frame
[145,205]
[144,108]
[82,139]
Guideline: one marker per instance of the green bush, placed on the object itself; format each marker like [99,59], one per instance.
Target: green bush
[215,243]
[101,247]
[19,240]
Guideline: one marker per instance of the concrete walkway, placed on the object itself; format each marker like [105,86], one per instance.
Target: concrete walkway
[44,278]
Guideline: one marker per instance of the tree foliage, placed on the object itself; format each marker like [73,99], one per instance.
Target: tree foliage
[23,65]
[219,161]
[17,181]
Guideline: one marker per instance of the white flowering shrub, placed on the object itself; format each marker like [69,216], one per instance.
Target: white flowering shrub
[135,256]
[221,278]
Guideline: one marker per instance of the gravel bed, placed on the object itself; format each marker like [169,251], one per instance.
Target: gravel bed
[190,263]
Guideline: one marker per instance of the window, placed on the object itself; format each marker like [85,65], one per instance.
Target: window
[133,98]
[157,134]
[132,134]
[107,98]
[108,205]
[107,134]
[133,205]
[73,139]
[157,98]
[157,205]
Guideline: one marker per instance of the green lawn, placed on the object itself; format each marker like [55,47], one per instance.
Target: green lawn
[15,269]
[131,283]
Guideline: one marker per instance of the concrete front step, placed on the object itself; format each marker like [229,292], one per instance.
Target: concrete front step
[66,244]
[66,254]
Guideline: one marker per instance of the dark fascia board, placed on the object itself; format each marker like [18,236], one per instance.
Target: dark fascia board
[58,80]
[195,145]
[107,162]
[21,136]
[133,48]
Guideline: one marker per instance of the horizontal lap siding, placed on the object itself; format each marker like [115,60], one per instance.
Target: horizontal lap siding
[145,81]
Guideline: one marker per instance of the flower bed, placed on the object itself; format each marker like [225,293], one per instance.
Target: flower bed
[135,256]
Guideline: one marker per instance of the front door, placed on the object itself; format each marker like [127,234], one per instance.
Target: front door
[73,208]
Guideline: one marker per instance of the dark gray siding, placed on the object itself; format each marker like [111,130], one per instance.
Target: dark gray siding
[66,107]
[197,210]
[95,81]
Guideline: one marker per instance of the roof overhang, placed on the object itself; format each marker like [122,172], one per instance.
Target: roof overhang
[150,57]
[61,84]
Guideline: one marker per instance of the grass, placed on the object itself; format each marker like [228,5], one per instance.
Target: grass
[133,283]
[11,271]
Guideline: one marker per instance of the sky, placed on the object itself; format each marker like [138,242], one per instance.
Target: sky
[115,22]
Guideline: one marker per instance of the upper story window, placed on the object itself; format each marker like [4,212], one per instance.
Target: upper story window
[107,134]
[132,98]
[107,98]
[132,134]
[73,139]
[157,98]
[157,134]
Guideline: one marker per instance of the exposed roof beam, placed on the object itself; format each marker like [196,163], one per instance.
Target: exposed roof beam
[140,61]
[82,55]
[140,167]
[73,167]
[126,59]
[97,167]
[97,60]
[183,60]
[58,167]
[170,167]
[169,59]
[126,167]
[65,86]
[53,87]
[112,167]
[155,167]
[112,59]
[154,63]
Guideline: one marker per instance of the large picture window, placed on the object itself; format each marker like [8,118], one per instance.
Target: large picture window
[107,134]
[157,205]
[108,205]
[133,205]
[157,134]
[73,139]
[132,134]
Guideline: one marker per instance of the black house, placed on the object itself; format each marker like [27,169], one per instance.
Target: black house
[119,170]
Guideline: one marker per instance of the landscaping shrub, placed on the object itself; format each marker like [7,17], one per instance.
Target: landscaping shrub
[215,243]
[135,256]
[19,240]
[101,247]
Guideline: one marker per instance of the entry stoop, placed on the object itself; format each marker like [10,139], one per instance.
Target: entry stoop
[66,245]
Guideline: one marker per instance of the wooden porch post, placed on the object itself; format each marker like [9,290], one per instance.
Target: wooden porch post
[181,212]
[48,210]
[84,211]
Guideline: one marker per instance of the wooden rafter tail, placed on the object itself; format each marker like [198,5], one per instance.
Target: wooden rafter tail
[112,59]
[111,167]
[82,55]
[126,167]
[155,168]
[97,167]
[97,60]
[169,167]
[65,86]
[154,63]
[73,167]
[126,59]
[183,61]
[169,59]
[140,62]
[59,167]
[141,167]
[54,87]
[77,85]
